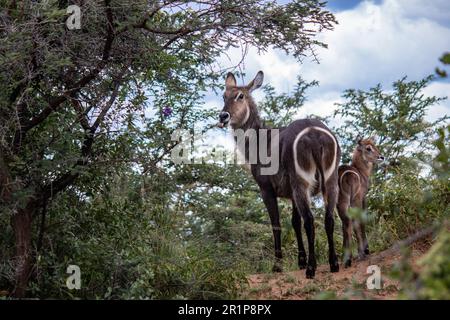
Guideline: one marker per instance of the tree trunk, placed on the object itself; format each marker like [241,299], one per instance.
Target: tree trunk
[21,222]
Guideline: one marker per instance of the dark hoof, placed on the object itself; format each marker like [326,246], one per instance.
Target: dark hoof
[347,263]
[334,267]
[302,263]
[277,268]
[367,251]
[310,272]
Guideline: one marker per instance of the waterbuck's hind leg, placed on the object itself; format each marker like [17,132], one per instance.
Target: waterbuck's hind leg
[301,199]
[330,197]
[297,225]
[357,227]
[270,200]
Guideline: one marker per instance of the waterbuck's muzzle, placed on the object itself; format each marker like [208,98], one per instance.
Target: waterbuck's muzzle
[381,159]
[224,118]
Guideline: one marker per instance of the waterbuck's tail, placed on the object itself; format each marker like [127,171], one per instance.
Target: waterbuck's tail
[319,165]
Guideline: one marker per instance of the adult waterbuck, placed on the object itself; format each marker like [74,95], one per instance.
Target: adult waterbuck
[353,188]
[308,155]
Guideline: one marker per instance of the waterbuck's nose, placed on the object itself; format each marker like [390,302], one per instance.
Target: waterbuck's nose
[224,117]
[381,158]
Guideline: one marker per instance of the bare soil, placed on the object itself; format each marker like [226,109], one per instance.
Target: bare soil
[348,283]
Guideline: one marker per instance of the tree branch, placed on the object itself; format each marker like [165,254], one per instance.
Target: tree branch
[68,178]
[57,101]
[5,180]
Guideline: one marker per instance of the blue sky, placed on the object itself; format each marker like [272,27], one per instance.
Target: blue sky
[339,5]
[336,5]
[377,41]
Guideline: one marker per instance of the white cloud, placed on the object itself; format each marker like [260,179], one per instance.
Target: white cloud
[437,10]
[378,43]
[438,89]
[373,43]
[279,70]
[321,105]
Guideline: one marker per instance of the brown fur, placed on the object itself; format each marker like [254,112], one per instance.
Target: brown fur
[315,149]
[353,188]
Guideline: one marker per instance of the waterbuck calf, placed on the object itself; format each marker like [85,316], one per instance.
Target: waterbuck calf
[353,187]
[308,155]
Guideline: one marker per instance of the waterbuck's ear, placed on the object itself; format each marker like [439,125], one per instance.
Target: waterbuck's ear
[257,82]
[230,80]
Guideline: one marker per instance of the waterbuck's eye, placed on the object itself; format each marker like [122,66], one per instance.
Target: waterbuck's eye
[240,96]
[369,149]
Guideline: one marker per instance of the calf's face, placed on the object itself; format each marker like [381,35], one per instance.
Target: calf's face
[369,151]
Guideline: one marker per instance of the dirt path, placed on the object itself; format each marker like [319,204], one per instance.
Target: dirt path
[349,283]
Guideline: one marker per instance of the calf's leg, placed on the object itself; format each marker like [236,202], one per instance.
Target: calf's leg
[346,231]
[363,230]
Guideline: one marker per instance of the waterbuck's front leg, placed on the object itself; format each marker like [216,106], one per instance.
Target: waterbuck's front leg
[270,200]
[297,225]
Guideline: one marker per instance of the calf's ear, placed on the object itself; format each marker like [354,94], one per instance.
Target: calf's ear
[359,140]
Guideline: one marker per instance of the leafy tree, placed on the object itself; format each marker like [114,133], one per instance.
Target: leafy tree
[432,280]
[396,118]
[77,105]
[405,195]
[279,110]
[441,163]
[445,59]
